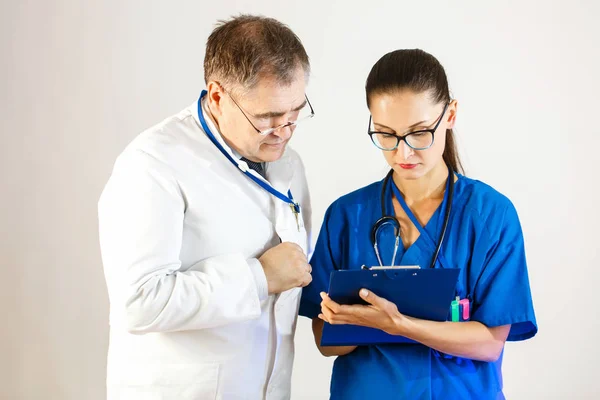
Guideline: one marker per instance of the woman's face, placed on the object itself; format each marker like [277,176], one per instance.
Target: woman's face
[403,112]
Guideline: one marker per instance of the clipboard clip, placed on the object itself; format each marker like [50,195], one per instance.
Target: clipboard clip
[392,272]
[378,268]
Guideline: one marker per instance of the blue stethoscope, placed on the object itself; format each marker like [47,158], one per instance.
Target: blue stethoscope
[386,220]
[242,166]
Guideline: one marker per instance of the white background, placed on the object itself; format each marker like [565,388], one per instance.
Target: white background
[81,79]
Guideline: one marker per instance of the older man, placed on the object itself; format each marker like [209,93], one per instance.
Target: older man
[204,228]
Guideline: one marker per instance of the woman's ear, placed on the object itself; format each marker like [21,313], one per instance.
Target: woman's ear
[452,110]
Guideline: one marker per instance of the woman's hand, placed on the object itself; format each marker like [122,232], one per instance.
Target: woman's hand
[469,339]
[380,313]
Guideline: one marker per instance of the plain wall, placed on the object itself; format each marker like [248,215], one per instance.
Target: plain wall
[81,79]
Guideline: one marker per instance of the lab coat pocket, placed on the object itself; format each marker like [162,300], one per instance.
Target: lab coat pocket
[165,381]
[286,311]
[295,236]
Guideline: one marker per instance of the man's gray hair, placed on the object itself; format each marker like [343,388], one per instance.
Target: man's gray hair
[247,48]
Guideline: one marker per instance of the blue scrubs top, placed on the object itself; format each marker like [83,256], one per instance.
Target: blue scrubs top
[483,239]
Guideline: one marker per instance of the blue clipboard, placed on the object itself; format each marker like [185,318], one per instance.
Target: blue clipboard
[419,293]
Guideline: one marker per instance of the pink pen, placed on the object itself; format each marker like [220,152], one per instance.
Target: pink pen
[465,306]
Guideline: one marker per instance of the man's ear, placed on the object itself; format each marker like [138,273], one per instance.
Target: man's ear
[215,97]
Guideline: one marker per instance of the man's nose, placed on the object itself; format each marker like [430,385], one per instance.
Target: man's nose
[284,132]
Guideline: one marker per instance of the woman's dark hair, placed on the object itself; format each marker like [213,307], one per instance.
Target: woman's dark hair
[418,71]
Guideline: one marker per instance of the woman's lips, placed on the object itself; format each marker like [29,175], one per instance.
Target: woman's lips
[407,166]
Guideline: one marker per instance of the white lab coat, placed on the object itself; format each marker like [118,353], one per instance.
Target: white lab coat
[180,232]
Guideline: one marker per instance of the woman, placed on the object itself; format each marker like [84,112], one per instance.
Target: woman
[412,116]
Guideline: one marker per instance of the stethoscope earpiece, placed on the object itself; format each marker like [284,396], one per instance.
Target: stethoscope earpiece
[381,222]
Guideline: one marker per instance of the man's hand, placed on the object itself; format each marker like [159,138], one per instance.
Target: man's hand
[285,267]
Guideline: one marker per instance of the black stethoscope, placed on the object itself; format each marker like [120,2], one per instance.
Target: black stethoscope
[391,220]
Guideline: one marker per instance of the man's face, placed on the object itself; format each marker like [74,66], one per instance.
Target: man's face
[240,113]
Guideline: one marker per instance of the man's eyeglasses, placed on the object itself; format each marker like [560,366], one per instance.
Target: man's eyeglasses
[303,114]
